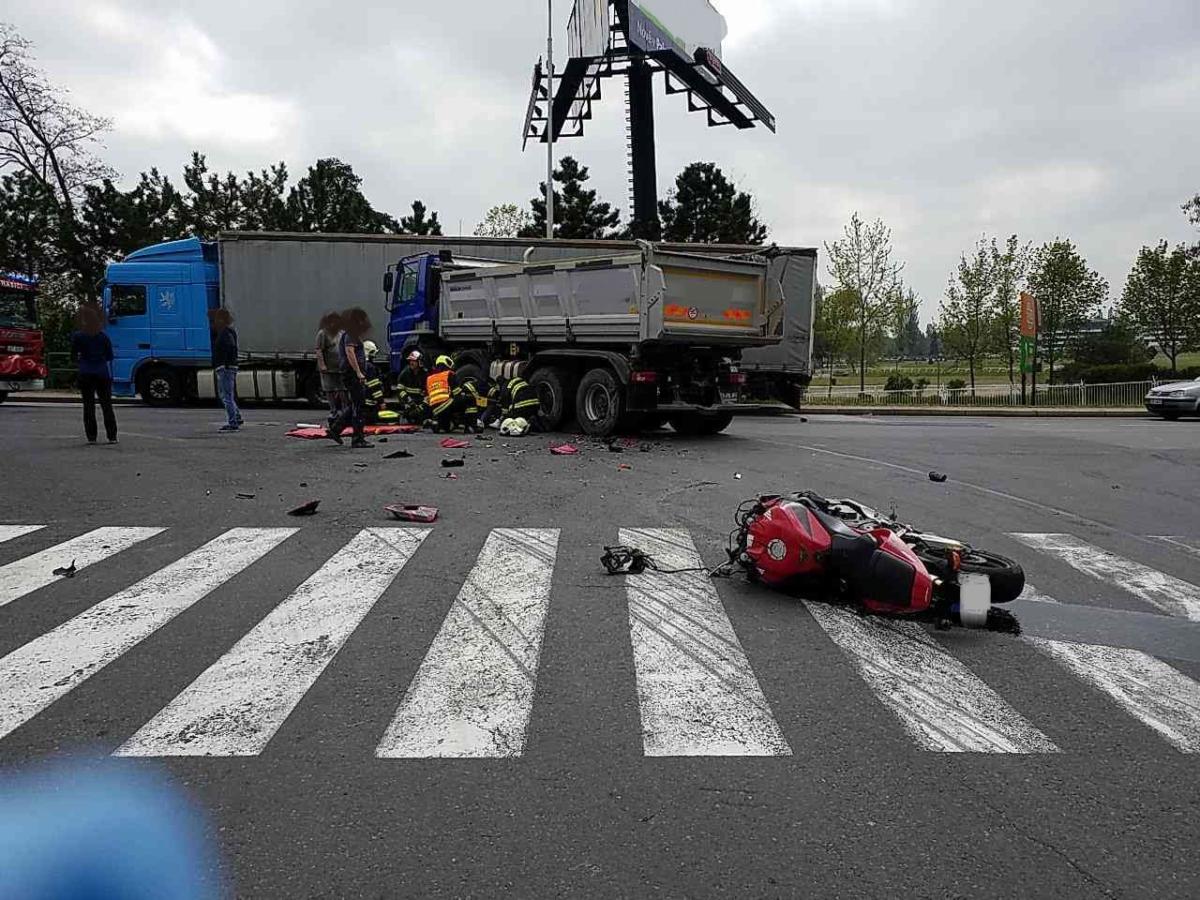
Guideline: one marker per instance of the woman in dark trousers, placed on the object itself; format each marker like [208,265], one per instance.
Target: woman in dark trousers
[92,352]
[353,360]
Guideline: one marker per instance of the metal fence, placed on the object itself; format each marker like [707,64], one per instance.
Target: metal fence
[1128,394]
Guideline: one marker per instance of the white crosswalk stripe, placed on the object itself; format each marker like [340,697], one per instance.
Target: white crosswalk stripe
[237,705]
[474,691]
[1147,688]
[35,572]
[40,672]
[9,532]
[697,693]
[1168,593]
[942,705]
[472,697]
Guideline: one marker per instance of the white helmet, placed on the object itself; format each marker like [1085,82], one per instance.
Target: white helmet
[415,356]
[370,349]
[514,427]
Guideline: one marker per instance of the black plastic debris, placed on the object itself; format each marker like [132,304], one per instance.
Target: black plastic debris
[613,448]
[308,509]
[65,571]
[453,463]
[244,495]
[938,477]
[399,454]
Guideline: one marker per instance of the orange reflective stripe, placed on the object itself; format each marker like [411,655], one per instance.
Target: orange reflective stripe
[437,386]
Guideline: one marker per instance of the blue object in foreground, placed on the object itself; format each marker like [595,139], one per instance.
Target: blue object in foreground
[69,832]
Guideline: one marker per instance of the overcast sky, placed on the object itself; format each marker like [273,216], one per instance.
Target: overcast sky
[947,118]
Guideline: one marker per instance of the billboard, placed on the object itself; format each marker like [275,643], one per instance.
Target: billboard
[588,32]
[683,26]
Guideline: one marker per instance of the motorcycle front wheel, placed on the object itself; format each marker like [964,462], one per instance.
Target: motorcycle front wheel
[1007,577]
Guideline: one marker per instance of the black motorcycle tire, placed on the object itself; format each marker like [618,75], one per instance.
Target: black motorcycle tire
[1007,577]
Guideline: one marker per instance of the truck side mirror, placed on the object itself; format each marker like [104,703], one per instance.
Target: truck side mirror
[389,281]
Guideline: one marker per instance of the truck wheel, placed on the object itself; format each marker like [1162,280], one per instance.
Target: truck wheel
[552,386]
[471,372]
[160,387]
[701,424]
[599,403]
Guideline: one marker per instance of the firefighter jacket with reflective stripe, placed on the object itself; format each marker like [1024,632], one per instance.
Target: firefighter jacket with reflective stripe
[411,382]
[520,400]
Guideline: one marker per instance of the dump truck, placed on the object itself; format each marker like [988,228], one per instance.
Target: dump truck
[277,285]
[623,341]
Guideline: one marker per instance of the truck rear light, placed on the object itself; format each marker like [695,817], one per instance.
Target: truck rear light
[738,378]
[644,377]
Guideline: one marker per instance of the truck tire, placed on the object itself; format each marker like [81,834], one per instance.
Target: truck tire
[599,403]
[472,372]
[553,387]
[700,424]
[160,386]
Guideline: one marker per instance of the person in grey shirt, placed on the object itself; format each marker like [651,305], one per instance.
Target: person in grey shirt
[328,363]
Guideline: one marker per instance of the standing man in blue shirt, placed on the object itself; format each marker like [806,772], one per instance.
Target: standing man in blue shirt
[92,352]
[225,364]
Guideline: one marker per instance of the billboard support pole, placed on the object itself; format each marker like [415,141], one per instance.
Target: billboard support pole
[549,119]
[641,151]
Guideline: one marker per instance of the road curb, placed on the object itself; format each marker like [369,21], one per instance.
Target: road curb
[1001,413]
[64,398]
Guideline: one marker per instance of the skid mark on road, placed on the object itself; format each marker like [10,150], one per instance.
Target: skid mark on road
[1147,688]
[473,695]
[240,702]
[38,673]
[697,693]
[937,699]
[1168,593]
[1191,545]
[37,571]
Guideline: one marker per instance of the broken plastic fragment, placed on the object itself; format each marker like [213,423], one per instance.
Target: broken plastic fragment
[564,450]
[308,509]
[65,571]
[424,514]
[455,444]
[938,477]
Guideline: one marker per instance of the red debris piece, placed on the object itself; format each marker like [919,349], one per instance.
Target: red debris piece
[425,514]
[318,434]
[455,444]
[564,450]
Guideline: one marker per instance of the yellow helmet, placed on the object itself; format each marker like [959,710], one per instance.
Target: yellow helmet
[444,361]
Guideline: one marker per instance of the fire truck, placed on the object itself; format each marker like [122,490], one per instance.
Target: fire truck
[22,348]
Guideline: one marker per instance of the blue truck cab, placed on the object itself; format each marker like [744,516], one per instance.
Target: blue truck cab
[413,291]
[157,301]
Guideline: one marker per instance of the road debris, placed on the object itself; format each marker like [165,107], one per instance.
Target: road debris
[564,450]
[424,514]
[453,463]
[65,571]
[455,444]
[246,496]
[624,467]
[737,476]
[451,476]
[399,454]
[938,477]
[308,509]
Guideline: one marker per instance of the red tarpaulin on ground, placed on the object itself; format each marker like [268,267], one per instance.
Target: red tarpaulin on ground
[313,434]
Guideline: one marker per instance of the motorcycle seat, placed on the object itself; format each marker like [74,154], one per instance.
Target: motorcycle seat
[873,574]
[850,550]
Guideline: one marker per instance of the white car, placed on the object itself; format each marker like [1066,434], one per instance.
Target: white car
[1174,400]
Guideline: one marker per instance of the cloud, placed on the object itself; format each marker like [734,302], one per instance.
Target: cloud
[173,83]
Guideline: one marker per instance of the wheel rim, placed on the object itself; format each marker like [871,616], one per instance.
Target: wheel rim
[596,403]
[545,393]
[158,388]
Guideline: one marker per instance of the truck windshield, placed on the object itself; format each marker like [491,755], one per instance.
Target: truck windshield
[17,309]
[408,284]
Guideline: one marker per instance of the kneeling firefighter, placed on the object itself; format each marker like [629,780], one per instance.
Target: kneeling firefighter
[411,387]
[451,403]
[520,401]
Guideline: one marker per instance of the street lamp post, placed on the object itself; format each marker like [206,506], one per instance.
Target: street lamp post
[550,119]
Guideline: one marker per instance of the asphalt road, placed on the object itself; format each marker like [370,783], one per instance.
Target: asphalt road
[819,766]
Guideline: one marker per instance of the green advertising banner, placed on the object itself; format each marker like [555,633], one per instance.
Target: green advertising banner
[1027,355]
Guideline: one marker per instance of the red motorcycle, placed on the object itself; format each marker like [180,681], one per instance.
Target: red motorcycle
[807,544]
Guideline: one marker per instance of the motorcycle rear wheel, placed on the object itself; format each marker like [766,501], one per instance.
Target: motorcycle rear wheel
[1007,577]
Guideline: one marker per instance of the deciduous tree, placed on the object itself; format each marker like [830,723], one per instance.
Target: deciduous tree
[506,220]
[330,199]
[1162,297]
[1068,291]
[1009,265]
[967,325]
[862,262]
